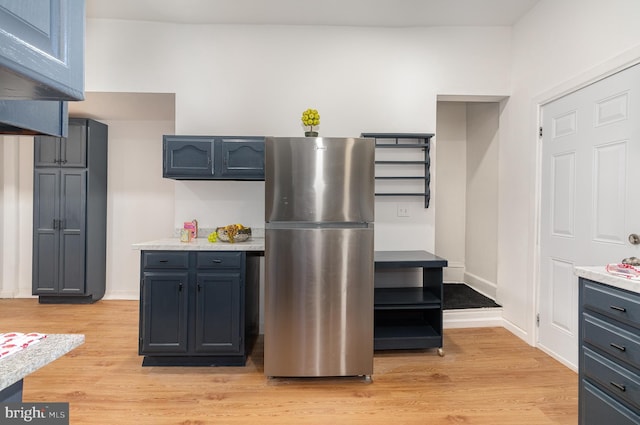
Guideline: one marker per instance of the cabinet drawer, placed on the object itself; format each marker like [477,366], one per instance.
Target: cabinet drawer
[218,260]
[165,260]
[616,303]
[611,339]
[597,408]
[618,381]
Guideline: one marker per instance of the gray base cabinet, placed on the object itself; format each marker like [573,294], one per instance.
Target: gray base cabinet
[70,214]
[198,308]
[213,157]
[609,362]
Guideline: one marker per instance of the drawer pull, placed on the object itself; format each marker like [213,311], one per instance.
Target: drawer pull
[618,347]
[619,386]
[217,260]
[163,261]
[622,309]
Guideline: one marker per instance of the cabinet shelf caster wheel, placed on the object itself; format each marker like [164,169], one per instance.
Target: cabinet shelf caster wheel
[440,352]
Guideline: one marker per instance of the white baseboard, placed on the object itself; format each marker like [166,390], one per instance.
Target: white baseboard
[473,318]
[485,287]
[454,272]
[518,331]
[122,295]
[561,359]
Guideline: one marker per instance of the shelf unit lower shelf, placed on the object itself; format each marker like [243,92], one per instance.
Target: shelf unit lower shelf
[403,336]
[409,317]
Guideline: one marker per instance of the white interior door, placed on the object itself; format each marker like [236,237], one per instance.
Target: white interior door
[590,200]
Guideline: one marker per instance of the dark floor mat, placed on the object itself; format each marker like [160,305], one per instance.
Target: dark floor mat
[459,295]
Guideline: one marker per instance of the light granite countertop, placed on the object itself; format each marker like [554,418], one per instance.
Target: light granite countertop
[200,244]
[599,274]
[16,366]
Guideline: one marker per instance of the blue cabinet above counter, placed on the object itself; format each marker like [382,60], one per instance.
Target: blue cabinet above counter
[213,157]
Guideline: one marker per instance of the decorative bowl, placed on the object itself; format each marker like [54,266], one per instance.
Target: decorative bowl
[242,235]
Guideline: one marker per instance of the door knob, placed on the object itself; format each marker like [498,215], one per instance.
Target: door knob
[634,239]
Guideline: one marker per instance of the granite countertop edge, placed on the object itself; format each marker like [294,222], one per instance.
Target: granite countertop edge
[199,244]
[17,366]
[600,274]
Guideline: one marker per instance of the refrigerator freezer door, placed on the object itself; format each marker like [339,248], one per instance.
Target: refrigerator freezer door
[318,302]
[319,179]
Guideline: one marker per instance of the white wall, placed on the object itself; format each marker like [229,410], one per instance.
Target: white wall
[256,80]
[451,194]
[467,193]
[481,238]
[139,201]
[557,45]
[16,221]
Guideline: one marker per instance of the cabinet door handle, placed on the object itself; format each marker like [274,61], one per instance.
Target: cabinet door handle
[621,387]
[55,223]
[199,287]
[180,287]
[618,347]
[615,307]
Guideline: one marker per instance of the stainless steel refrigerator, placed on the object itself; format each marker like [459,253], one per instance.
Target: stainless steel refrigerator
[319,257]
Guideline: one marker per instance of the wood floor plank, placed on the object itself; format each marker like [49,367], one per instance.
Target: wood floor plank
[487,377]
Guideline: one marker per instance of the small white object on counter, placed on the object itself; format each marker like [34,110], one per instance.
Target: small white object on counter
[200,244]
[600,274]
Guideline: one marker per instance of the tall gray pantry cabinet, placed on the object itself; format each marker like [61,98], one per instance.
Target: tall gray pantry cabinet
[70,214]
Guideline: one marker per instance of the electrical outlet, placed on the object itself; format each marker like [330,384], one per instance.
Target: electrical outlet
[403,210]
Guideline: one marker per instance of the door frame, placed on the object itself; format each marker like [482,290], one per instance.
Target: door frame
[606,69]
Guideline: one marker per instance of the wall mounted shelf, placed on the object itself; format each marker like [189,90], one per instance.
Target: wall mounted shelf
[420,164]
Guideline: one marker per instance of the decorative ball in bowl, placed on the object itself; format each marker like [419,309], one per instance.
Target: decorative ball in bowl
[233,233]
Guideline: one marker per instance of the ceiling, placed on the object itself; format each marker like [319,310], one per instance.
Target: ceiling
[385,13]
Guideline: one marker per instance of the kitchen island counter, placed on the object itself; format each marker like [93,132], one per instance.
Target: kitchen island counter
[200,244]
[14,368]
[600,274]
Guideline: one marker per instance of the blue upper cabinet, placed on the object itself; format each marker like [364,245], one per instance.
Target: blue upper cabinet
[242,158]
[187,157]
[213,158]
[41,64]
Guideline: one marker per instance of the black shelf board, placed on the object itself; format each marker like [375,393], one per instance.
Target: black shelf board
[401,178]
[400,194]
[405,332]
[402,259]
[405,298]
[403,162]
[406,337]
[402,145]
[398,135]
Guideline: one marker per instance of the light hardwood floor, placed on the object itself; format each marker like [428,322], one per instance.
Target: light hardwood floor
[487,377]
